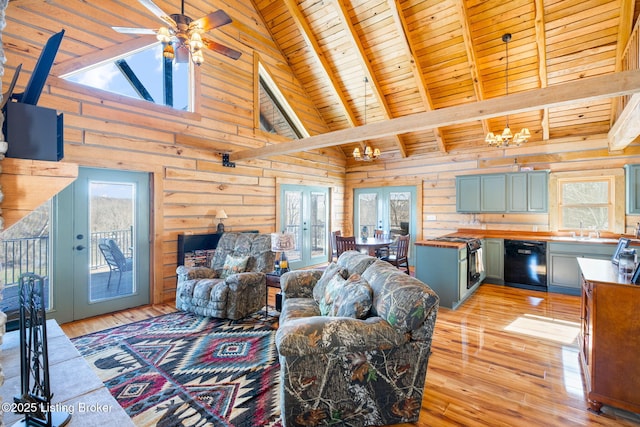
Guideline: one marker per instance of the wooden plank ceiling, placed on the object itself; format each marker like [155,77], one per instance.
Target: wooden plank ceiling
[423,55]
[417,55]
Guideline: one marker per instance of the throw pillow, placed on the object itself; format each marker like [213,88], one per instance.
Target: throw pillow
[353,299]
[320,286]
[233,265]
[333,288]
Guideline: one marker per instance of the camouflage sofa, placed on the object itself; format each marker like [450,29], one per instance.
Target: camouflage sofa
[360,363]
[235,285]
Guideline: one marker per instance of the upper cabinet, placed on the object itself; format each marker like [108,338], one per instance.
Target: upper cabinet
[503,193]
[633,189]
[468,193]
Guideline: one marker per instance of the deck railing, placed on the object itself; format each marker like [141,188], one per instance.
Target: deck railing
[31,254]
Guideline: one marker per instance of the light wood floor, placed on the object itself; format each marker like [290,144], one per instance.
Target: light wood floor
[507,357]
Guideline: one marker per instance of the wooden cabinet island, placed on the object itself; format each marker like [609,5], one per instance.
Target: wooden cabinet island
[609,336]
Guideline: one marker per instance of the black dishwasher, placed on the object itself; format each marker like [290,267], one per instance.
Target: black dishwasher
[525,264]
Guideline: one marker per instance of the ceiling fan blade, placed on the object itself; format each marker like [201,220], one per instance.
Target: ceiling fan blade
[213,20]
[182,54]
[127,30]
[222,49]
[158,12]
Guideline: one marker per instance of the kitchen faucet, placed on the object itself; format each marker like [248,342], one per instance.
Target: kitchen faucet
[581,227]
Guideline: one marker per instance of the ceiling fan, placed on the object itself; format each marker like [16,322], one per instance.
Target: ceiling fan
[183,36]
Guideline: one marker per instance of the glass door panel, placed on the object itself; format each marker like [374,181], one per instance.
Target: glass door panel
[368,214]
[399,208]
[293,222]
[319,213]
[112,246]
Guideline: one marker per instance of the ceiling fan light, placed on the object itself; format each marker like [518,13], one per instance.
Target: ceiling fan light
[168,51]
[197,57]
[195,42]
[163,35]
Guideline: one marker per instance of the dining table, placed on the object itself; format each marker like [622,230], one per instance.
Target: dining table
[372,244]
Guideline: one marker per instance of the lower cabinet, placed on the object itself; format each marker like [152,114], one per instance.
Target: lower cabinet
[609,337]
[444,269]
[563,272]
[494,260]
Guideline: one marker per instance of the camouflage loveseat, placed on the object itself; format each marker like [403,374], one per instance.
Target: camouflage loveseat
[233,292]
[348,361]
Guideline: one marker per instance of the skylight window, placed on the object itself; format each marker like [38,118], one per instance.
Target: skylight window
[143,74]
[276,115]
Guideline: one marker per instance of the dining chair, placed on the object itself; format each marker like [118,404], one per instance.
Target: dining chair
[400,258]
[334,252]
[378,233]
[344,244]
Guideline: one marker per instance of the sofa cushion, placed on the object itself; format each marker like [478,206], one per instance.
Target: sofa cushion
[355,262]
[402,300]
[353,298]
[320,286]
[234,265]
[332,289]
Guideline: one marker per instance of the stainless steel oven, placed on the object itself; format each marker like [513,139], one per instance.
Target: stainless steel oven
[474,257]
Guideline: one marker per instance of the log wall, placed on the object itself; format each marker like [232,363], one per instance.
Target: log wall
[180,150]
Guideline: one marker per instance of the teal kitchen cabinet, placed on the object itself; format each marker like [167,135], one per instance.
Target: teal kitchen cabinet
[493,193]
[493,254]
[563,275]
[632,177]
[538,191]
[444,269]
[527,191]
[468,193]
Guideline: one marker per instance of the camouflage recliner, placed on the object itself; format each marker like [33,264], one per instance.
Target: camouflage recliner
[234,292]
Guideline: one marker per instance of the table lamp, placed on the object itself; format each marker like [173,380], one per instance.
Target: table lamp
[220,215]
[280,243]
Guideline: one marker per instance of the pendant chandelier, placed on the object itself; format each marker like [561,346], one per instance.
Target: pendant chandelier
[504,138]
[368,153]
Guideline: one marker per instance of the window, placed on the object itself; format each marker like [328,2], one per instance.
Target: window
[275,114]
[588,201]
[142,74]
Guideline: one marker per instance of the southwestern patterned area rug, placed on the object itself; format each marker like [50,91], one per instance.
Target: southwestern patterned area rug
[180,369]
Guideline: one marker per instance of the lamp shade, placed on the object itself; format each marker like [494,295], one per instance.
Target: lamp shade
[281,242]
[221,214]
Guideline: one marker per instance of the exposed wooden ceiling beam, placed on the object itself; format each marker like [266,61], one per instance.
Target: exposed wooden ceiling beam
[343,14]
[584,90]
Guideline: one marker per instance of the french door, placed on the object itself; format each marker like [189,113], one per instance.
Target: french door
[392,209]
[305,213]
[108,207]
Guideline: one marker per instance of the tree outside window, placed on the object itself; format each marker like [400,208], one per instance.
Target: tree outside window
[586,203]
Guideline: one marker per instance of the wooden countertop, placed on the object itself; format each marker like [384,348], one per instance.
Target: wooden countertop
[605,238]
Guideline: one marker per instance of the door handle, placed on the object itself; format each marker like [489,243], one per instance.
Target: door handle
[79,248]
